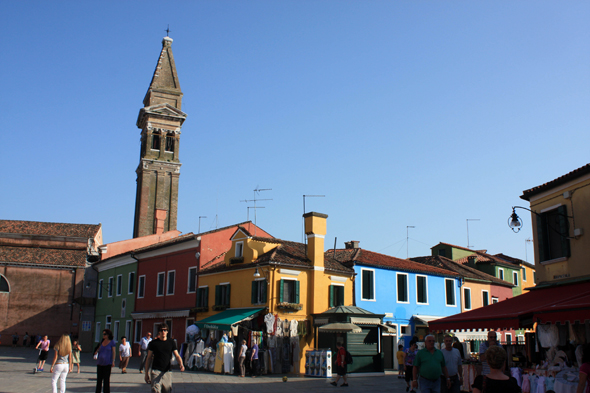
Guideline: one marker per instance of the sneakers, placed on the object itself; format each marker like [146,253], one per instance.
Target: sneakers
[333,384]
[344,385]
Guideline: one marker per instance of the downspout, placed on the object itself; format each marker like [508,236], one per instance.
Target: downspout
[73,271]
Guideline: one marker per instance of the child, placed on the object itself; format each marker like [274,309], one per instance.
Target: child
[76,349]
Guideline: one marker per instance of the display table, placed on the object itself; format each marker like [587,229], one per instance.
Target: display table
[562,385]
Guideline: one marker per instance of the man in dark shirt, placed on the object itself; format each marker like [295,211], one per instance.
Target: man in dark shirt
[160,353]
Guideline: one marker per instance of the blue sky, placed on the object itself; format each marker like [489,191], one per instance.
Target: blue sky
[402,113]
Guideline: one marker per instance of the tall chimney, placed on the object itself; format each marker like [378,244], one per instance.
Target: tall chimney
[315,229]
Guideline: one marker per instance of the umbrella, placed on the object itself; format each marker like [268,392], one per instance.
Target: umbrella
[340,327]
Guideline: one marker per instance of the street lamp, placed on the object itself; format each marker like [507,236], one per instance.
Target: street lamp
[515,223]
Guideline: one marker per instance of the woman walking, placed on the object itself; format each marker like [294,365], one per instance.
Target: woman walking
[242,358]
[44,344]
[496,380]
[106,359]
[124,355]
[62,363]
[76,349]
[409,363]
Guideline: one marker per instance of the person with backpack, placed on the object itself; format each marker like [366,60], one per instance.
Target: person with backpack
[342,359]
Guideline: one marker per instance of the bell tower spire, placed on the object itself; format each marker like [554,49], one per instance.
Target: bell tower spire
[160,121]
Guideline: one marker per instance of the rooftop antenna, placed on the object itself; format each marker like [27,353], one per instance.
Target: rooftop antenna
[303,224]
[253,207]
[407,240]
[167,30]
[526,255]
[256,192]
[469,219]
[200,222]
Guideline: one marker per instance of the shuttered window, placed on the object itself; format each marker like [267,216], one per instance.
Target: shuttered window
[402,288]
[450,292]
[222,295]
[368,284]
[552,234]
[336,295]
[467,297]
[421,289]
[289,291]
[203,297]
[259,291]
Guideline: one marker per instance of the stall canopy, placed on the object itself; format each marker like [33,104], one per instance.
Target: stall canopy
[559,303]
[340,327]
[225,319]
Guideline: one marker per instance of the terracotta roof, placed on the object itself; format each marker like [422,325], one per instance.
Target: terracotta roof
[462,248]
[576,173]
[49,228]
[369,258]
[42,256]
[482,257]
[215,261]
[286,253]
[462,270]
[515,261]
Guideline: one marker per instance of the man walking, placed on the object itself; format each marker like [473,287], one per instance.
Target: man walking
[492,340]
[454,365]
[159,355]
[143,347]
[429,365]
[340,365]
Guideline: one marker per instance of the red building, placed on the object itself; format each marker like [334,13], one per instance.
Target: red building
[168,272]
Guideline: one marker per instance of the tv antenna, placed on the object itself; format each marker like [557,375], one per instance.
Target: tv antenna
[256,192]
[200,222]
[467,220]
[408,239]
[303,222]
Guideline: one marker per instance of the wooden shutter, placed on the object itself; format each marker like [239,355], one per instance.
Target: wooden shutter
[564,231]
[227,293]
[540,237]
[218,295]
[199,297]
[254,292]
[263,290]
[331,291]
[297,292]
[281,288]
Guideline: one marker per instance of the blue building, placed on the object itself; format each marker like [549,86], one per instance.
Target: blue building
[408,293]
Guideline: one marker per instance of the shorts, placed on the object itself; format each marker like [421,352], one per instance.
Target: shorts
[43,355]
[400,367]
[341,370]
[409,373]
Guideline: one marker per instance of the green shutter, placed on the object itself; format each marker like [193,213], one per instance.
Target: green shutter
[540,237]
[228,292]
[297,292]
[564,230]
[371,288]
[206,295]
[331,291]
[281,287]
[264,290]
[199,297]
[217,295]
[254,292]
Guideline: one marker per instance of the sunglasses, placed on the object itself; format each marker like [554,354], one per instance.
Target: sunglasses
[163,330]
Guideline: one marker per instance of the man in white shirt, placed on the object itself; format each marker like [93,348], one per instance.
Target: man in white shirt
[143,345]
[454,367]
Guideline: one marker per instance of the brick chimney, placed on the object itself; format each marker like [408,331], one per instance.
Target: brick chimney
[351,244]
[315,229]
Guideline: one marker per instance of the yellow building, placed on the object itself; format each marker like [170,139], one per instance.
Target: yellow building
[561,215]
[288,279]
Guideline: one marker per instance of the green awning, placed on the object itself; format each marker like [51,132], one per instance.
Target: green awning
[225,319]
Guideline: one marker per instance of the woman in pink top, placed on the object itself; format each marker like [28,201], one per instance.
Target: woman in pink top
[584,371]
[43,354]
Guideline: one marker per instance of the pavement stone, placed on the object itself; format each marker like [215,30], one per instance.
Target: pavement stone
[17,364]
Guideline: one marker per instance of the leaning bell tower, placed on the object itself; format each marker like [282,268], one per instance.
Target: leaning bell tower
[160,121]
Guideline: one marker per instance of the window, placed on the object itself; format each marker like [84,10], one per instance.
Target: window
[169,143]
[404,329]
[155,141]
[169,323]
[289,291]
[98,333]
[4,287]
[192,280]
[402,288]
[259,291]
[107,325]
[119,284]
[494,300]
[239,249]
[137,335]
[535,277]
[552,233]
[515,278]
[222,294]
[123,307]
[100,282]
[508,338]
[203,297]
[368,284]
[116,331]
[500,273]
[160,289]
[450,292]
[421,290]
[467,298]
[524,274]
[128,330]
[442,252]
[131,283]
[110,288]
[141,287]
[520,339]
[170,286]
[485,298]
[336,295]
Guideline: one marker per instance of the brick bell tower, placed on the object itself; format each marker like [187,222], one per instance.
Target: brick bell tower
[160,120]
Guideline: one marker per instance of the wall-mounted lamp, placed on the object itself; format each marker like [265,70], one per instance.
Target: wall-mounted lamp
[256,273]
[515,223]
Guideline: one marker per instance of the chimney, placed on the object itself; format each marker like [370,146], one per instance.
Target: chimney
[159,222]
[351,244]
[315,229]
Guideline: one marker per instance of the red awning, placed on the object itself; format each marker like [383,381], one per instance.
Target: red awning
[556,303]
